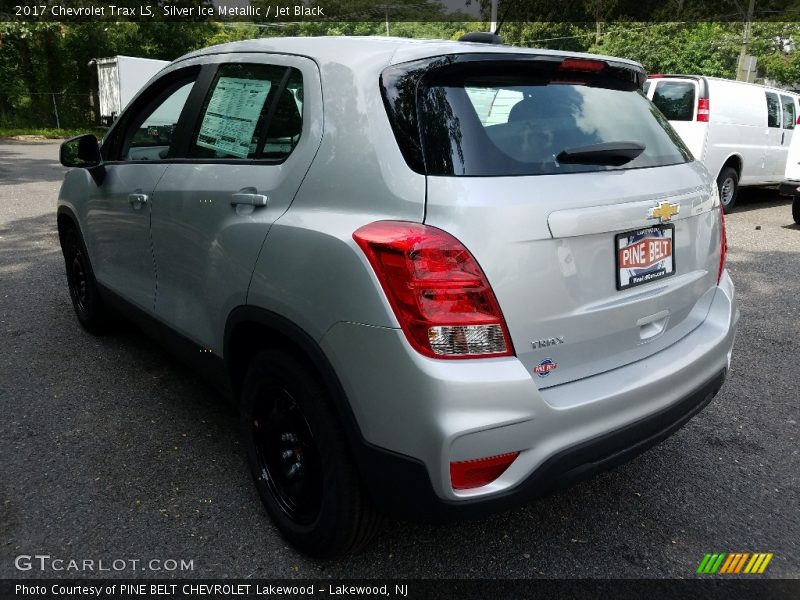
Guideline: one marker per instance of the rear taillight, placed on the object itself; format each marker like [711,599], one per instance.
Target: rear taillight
[437,290]
[723,243]
[703,110]
[469,474]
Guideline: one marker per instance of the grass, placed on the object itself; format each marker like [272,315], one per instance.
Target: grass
[48,133]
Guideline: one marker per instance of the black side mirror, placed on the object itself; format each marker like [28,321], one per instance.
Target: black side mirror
[83,152]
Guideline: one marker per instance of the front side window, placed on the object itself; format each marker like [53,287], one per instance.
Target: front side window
[251,111]
[773,110]
[676,99]
[150,134]
[789,117]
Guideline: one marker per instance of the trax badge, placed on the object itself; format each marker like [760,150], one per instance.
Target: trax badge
[664,212]
[543,368]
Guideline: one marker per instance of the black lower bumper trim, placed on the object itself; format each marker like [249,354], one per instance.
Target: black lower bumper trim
[789,188]
[401,486]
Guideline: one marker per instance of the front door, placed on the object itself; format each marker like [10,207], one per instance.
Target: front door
[119,210]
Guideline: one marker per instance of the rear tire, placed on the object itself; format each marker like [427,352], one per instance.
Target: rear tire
[796,209]
[299,460]
[728,184]
[92,313]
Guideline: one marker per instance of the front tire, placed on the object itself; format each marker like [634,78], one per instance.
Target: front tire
[728,184]
[299,459]
[796,209]
[92,313]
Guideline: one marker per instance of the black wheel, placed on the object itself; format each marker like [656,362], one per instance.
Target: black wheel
[796,209]
[728,184]
[92,314]
[299,459]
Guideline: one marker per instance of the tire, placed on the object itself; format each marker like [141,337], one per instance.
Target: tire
[796,209]
[299,460]
[92,313]
[728,185]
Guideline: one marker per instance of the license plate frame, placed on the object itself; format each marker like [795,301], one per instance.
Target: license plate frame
[652,241]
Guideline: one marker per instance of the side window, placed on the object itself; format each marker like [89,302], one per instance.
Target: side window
[251,111]
[789,117]
[773,110]
[149,133]
[675,99]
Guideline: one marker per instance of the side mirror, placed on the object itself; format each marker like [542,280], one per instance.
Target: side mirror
[83,152]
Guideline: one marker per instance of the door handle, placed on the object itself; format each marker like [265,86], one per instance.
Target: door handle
[250,197]
[137,199]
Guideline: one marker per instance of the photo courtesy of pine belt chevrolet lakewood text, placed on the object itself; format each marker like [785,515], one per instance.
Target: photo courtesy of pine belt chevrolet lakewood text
[439,279]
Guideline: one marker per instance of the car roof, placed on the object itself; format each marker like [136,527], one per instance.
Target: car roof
[351,49]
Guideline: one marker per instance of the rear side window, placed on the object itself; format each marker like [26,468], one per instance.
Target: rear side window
[485,121]
[773,110]
[789,117]
[676,99]
[251,111]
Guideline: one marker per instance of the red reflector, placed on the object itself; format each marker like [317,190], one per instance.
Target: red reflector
[582,64]
[703,109]
[723,243]
[468,474]
[798,119]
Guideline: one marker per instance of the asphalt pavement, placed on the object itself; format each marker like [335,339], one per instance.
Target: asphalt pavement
[112,450]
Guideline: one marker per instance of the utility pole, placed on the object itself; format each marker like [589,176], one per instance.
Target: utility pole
[743,68]
[493,27]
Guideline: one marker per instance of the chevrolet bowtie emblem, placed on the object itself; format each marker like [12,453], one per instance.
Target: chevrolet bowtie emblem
[664,212]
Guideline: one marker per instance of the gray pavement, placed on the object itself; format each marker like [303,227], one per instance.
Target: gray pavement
[110,449]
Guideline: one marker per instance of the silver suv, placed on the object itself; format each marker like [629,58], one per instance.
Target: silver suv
[438,278]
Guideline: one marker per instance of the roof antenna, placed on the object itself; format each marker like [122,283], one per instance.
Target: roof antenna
[487,37]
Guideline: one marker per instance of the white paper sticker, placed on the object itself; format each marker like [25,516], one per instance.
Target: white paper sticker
[232,114]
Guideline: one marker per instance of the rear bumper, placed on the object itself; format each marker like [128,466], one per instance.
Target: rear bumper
[416,415]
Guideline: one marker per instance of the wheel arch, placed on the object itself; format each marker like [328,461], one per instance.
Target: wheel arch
[735,161]
[65,218]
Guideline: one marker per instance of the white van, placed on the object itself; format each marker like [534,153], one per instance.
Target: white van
[739,131]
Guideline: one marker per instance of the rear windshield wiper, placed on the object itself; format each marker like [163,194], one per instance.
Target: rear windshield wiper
[609,153]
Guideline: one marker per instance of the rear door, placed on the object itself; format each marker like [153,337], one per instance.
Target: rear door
[788,122]
[258,127]
[776,154]
[677,99]
[596,262]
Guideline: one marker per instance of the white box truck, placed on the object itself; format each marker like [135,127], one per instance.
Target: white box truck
[119,79]
[739,131]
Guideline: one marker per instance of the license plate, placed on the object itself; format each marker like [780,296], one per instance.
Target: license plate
[644,255]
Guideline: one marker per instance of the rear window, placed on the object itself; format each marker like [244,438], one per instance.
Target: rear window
[788,112]
[676,99]
[497,124]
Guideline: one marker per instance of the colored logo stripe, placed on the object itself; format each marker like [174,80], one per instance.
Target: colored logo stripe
[720,562]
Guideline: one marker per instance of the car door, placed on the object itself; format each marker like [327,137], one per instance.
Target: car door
[788,122]
[118,210]
[775,156]
[257,130]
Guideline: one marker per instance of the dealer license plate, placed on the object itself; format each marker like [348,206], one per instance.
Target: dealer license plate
[644,255]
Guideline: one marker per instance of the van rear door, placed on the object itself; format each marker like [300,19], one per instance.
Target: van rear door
[678,99]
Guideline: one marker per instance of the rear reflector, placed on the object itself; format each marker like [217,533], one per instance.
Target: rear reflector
[582,64]
[723,243]
[469,474]
[703,110]
[437,290]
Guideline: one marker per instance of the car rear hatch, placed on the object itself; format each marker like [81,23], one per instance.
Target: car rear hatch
[530,163]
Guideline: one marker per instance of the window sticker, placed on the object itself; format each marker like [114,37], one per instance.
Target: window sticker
[232,114]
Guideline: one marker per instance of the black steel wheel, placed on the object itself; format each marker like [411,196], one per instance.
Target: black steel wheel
[89,307]
[299,458]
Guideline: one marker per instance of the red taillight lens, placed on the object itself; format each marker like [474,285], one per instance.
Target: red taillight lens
[702,109]
[655,76]
[437,290]
[585,65]
[468,474]
[723,243]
